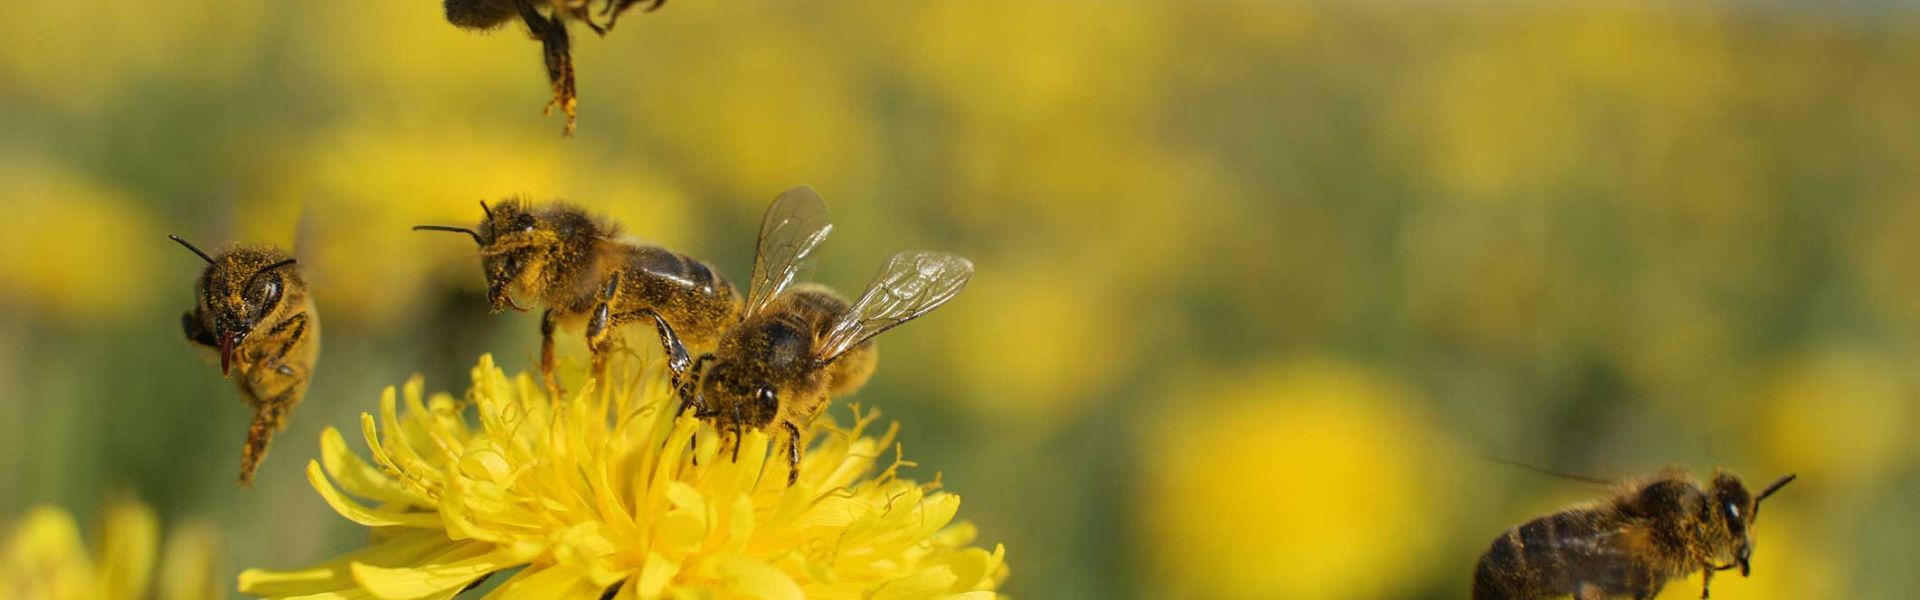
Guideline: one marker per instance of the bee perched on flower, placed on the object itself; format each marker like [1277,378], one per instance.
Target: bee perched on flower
[550,29]
[615,493]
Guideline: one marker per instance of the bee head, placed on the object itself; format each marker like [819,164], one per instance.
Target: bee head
[512,242]
[240,289]
[737,393]
[1734,506]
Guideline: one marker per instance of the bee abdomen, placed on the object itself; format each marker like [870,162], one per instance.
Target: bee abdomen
[697,300]
[1530,561]
[479,14]
[683,271]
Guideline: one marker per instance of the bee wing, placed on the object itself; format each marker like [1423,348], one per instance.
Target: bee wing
[1611,558]
[795,224]
[911,284]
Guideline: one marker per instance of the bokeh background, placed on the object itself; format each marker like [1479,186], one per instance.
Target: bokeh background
[1259,282]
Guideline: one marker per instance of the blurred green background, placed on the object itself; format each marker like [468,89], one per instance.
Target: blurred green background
[1258,281]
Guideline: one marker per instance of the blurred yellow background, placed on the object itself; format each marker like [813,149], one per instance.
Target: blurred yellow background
[1258,281]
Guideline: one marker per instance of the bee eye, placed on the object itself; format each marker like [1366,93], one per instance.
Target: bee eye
[270,289]
[767,396]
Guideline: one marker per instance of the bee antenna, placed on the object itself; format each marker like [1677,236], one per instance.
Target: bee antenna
[274,266]
[1775,487]
[1545,471]
[484,209]
[203,255]
[476,235]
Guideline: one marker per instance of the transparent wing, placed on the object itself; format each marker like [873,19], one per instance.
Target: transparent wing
[911,284]
[796,224]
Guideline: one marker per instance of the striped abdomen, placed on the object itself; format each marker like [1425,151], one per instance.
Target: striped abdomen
[698,301]
[1585,552]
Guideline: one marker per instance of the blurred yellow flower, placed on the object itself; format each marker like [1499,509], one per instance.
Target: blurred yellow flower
[1845,414]
[1312,480]
[87,60]
[614,491]
[59,226]
[45,559]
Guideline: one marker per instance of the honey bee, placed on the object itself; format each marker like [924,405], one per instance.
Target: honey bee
[549,29]
[578,267]
[1652,531]
[254,310]
[794,349]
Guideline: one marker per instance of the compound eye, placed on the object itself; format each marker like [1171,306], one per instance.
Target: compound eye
[767,396]
[265,295]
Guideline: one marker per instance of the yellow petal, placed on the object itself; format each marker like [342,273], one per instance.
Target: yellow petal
[190,564]
[334,575]
[448,570]
[557,582]
[758,579]
[358,477]
[927,583]
[47,558]
[655,575]
[130,537]
[370,517]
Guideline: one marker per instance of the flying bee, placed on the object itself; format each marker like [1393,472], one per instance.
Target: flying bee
[578,267]
[549,29]
[1650,532]
[794,349]
[254,310]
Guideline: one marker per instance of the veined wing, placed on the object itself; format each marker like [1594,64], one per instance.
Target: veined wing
[795,224]
[911,284]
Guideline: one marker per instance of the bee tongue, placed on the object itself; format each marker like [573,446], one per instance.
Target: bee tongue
[226,352]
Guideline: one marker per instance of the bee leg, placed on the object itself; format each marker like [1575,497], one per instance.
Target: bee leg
[601,326]
[267,419]
[690,389]
[547,320]
[614,9]
[270,410]
[793,453]
[686,371]
[676,353]
[585,15]
[552,33]
[1706,576]
[739,432]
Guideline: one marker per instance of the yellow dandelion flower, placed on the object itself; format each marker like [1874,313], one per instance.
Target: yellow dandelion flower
[46,559]
[613,492]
